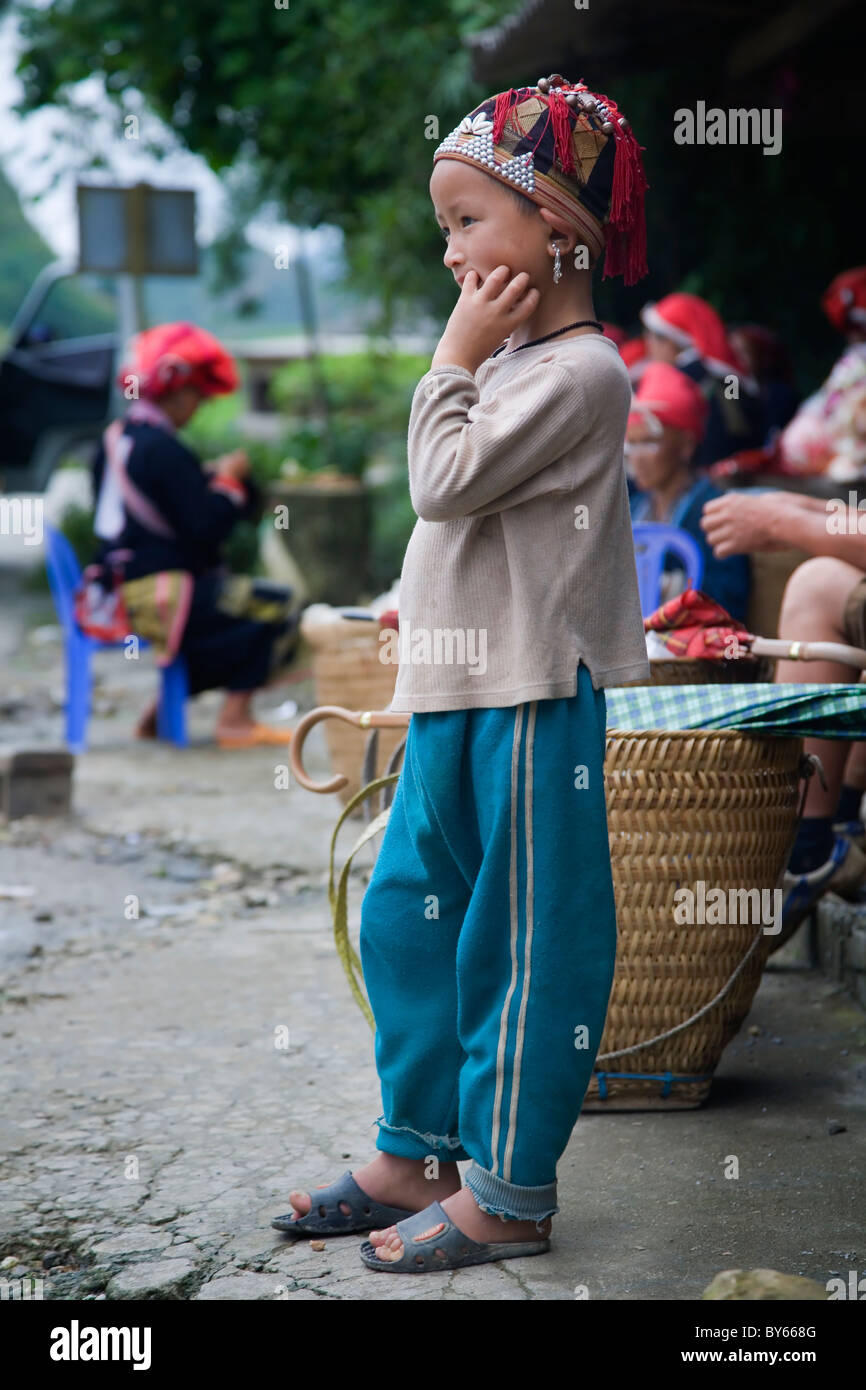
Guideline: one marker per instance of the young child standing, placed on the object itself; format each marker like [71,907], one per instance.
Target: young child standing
[488,928]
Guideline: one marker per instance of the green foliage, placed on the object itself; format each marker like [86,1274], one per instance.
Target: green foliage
[215,429]
[375,386]
[24,252]
[368,396]
[241,549]
[333,111]
[70,308]
[77,527]
[330,114]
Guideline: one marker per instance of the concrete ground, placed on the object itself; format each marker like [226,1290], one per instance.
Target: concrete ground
[153,1124]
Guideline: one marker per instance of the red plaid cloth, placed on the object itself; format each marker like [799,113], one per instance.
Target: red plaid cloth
[693,624]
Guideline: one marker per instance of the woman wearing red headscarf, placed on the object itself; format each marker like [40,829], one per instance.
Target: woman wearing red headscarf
[828,433]
[686,332]
[665,428]
[162,518]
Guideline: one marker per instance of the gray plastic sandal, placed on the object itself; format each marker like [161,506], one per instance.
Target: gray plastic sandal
[450,1249]
[326,1219]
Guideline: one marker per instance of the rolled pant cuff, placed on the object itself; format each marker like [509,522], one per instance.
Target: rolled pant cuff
[507,1199]
[405,1142]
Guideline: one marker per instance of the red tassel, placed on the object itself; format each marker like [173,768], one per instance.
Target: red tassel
[504,103]
[626,232]
[626,227]
[562,131]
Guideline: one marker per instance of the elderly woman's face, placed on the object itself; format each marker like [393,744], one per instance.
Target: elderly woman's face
[659,349]
[654,459]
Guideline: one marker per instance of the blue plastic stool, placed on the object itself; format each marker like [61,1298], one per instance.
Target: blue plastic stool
[652,541]
[64,574]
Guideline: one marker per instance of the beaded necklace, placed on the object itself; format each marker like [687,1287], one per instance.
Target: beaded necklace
[582,323]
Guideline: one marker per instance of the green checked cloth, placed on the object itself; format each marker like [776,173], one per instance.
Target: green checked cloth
[810,711]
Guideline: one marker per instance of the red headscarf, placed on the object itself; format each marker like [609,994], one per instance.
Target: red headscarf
[844,300]
[179,354]
[693,323]
[632,351]
[614,332]
[670,397]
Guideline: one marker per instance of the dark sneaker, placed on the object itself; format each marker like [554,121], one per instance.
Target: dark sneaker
[843,873]
[852,830]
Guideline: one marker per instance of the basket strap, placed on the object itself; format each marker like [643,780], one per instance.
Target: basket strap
[669,1033]
[338,896]
[368,769]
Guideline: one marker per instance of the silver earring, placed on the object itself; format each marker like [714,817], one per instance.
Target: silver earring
[557,268]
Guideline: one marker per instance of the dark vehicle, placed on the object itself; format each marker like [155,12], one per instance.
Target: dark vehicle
[56,383]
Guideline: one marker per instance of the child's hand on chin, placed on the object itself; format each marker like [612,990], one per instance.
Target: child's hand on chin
[483,316]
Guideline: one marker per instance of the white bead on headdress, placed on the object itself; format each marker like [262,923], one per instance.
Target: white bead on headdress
[520,169]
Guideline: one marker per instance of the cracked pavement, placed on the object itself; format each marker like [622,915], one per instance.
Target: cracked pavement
[153,1124]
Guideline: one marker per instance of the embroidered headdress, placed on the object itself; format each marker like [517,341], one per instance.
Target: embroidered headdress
[570,150]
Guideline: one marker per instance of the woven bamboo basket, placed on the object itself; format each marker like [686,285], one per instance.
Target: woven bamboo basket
[700,671]
[720,807]
[347,671]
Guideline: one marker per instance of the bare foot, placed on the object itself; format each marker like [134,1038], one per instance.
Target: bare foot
[399,1182]
[236,729]
[469,1218]
[146,726]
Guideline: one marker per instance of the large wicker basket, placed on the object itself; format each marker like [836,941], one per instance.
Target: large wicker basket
[720,807]
[347,671]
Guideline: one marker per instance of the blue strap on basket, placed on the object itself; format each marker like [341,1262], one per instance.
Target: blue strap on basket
[666,1076]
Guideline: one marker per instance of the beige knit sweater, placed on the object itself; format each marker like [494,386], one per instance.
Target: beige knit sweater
[521,563]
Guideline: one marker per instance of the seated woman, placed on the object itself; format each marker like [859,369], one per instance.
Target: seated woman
[665,425]
[686,331]
[162,519]
[828,433]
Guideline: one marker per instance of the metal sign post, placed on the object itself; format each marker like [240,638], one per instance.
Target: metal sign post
[133,232]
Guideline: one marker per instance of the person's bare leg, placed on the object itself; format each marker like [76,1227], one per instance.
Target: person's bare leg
[236,716]
[146,726]
[812,610]
[398,1182]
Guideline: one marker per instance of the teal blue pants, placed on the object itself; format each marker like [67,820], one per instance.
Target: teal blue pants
[488,940]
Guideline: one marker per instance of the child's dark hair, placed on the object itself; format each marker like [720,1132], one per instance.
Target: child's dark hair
[526,205]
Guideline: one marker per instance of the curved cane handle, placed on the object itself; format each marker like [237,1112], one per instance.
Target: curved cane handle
[362,719]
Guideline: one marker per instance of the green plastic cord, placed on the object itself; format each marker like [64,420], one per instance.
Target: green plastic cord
[338,897]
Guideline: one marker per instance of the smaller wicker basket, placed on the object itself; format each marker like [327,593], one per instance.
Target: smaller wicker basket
[347,671]
[690,670]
